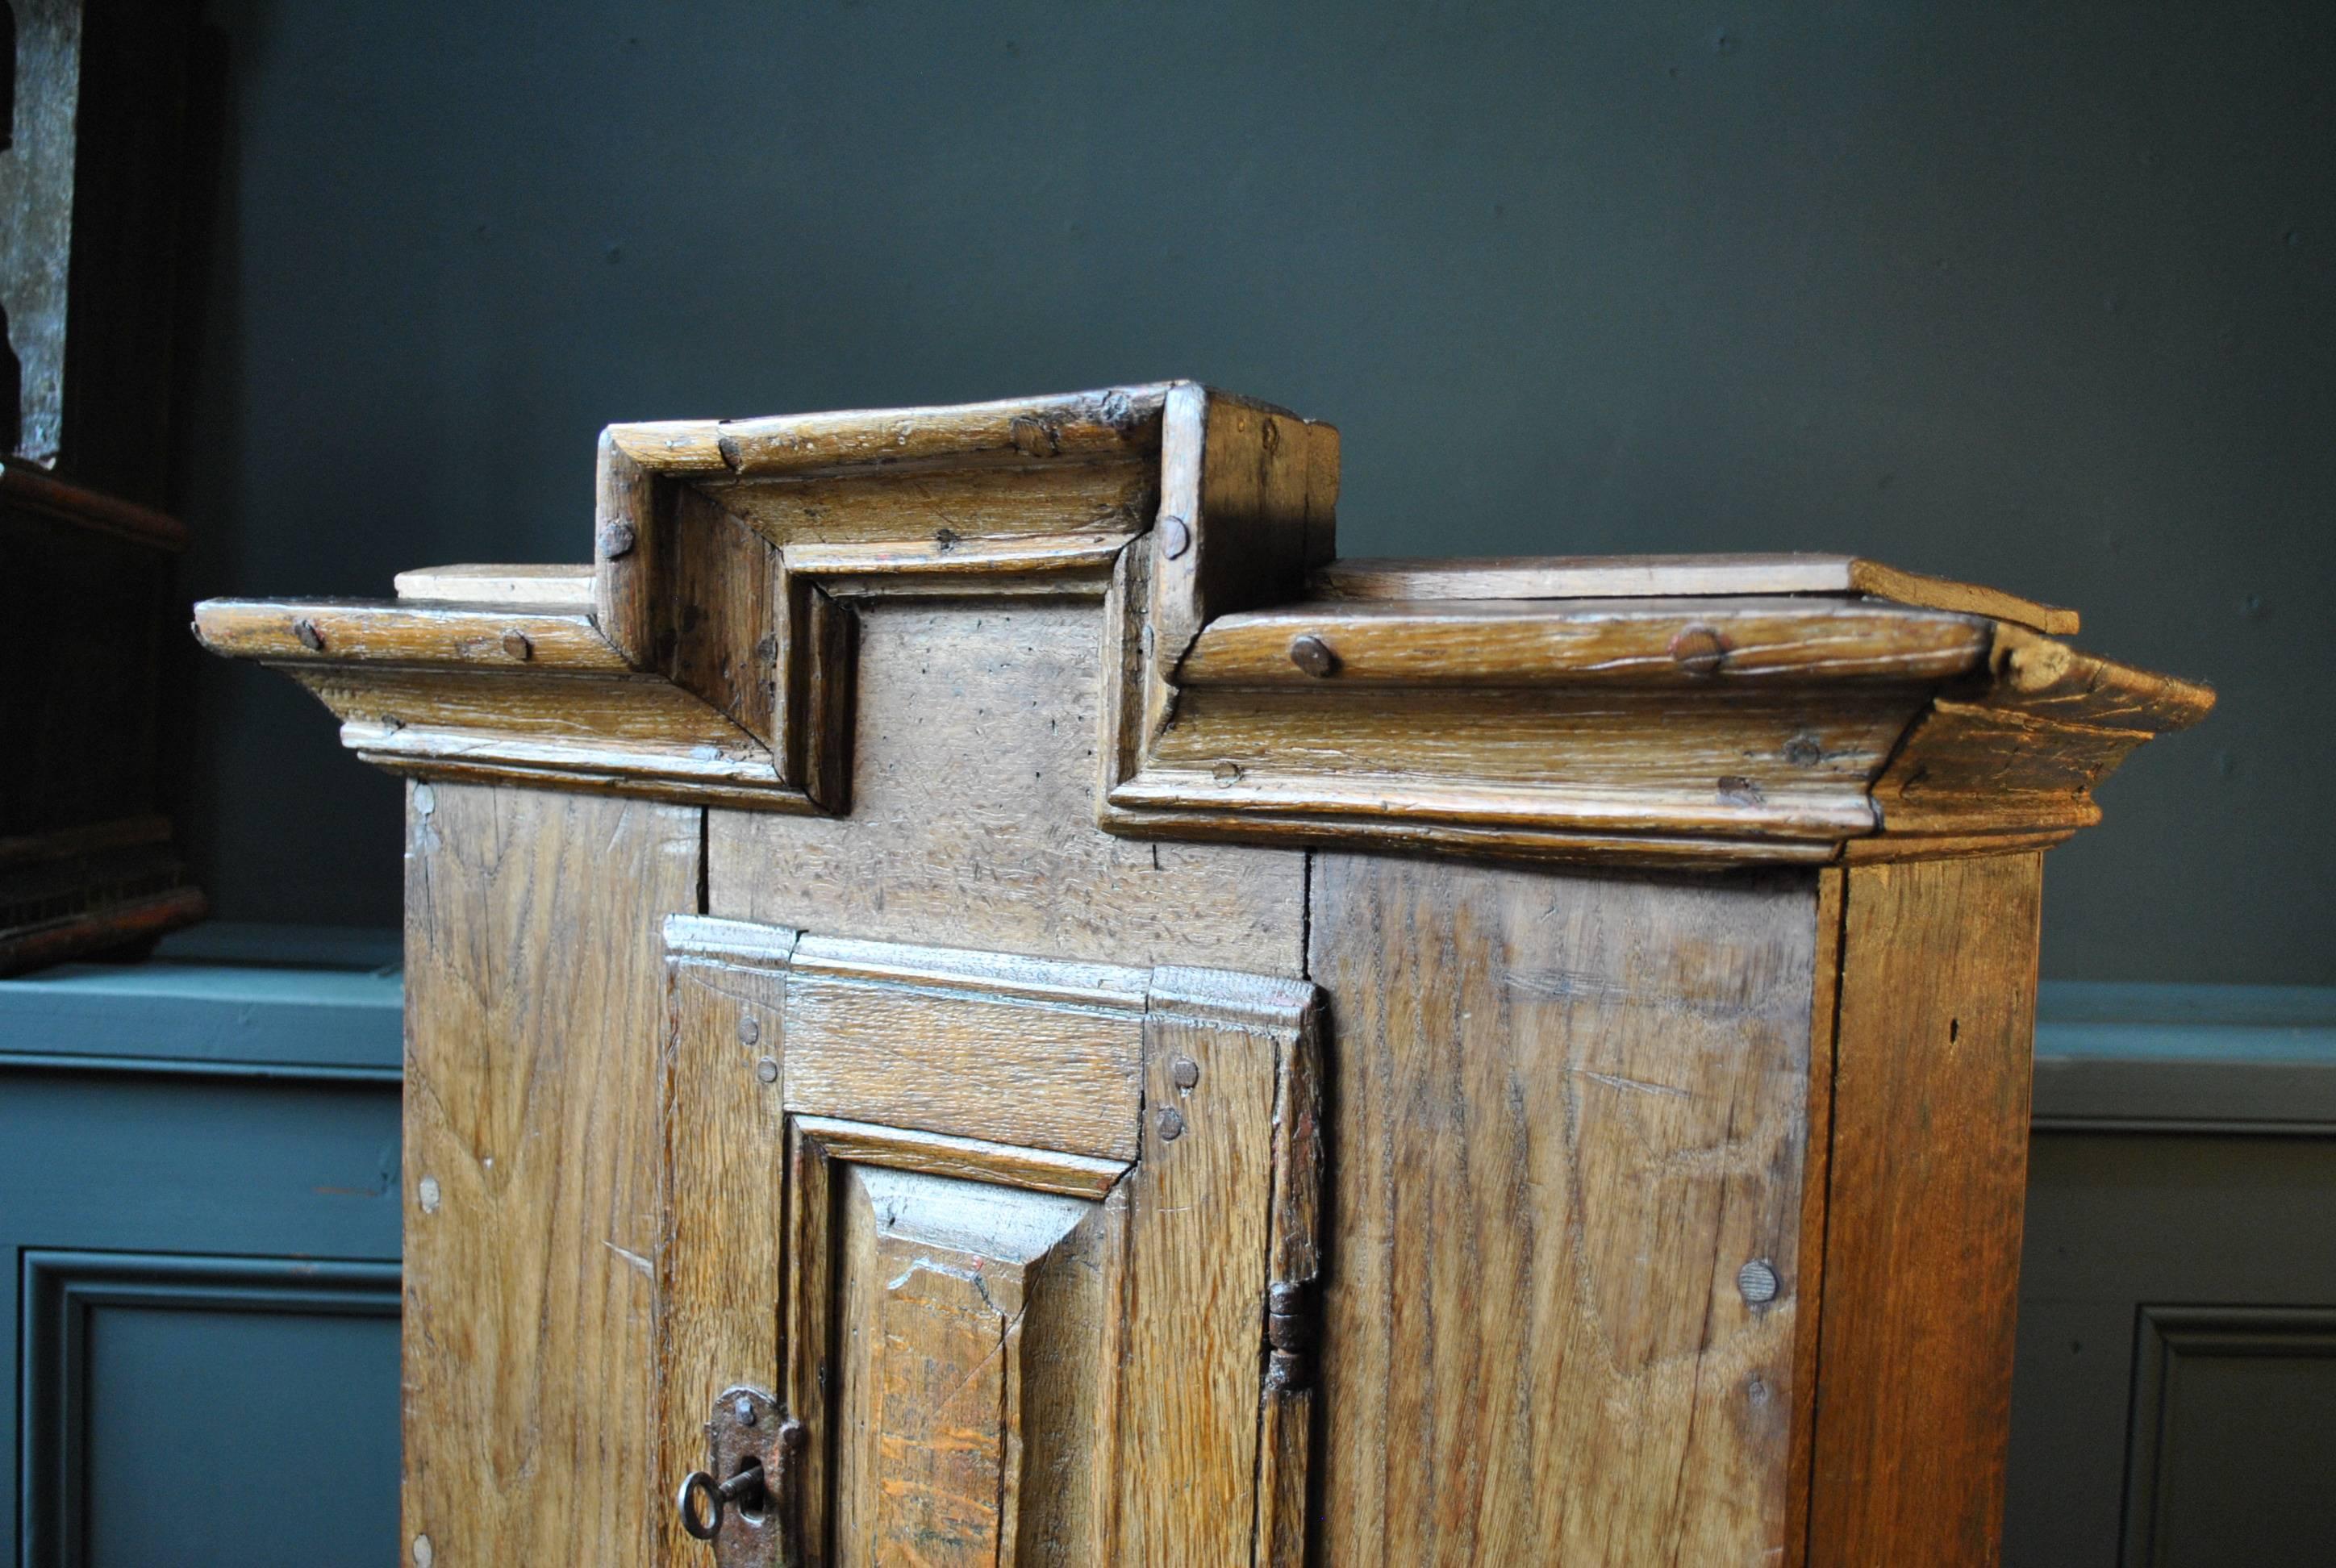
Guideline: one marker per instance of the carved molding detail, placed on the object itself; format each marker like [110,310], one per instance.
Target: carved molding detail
[1699,710]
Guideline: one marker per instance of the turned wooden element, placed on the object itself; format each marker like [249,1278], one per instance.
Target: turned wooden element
[981,899]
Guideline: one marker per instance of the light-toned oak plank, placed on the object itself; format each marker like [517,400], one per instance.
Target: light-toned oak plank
[533,1152]
[418,633]
[1597,643]
[1199,1220]
[968,1159]
[1930,1157]
[1566,1112]
[1016,431]
[973,817]
[1049,1078]
[567,587]
[724,1141]
[1663,576]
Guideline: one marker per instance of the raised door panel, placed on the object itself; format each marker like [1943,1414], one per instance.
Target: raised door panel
[1006,1236]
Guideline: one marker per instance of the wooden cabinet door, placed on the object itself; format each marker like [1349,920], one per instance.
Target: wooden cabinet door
[1026,1247]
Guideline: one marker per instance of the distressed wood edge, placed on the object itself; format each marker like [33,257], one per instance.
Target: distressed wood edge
[967,1159]
[1295,1245]
[1246,517]
[696,951]
[738,944]
[1818,814]
[975,974]
[1831,915]
[1665,576]
[1302,827]
[566,586]
[2051,680]
[1843,1473]
[1069,425]
[1890,582]
[355,634]
[1489,643]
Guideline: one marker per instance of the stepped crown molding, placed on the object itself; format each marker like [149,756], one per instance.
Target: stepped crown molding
[1702,710]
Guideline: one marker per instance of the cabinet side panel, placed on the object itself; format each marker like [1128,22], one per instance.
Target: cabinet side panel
[1929,1175]
[535,1015]
[1565,1112]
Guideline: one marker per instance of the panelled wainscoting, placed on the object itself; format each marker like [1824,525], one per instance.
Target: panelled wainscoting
[199,1214]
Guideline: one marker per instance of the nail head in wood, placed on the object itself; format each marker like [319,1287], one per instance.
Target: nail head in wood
[1313,656]
[767,1069]
[1184,1072]
[310,638]
[1175,536]
[1698,650]
[1170,1123]
[749,1030]
[1757,1281]
[617,540]
[427,1192]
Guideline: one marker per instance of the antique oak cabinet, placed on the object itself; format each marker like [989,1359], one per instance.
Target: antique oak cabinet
[977,995]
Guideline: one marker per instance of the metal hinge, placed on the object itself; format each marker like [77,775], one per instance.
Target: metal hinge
[745,1501]
[1292,1320]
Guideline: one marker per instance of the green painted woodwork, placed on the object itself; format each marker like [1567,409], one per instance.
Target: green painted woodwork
[199,1217]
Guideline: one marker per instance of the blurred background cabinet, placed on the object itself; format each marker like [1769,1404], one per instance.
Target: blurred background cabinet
[105,173]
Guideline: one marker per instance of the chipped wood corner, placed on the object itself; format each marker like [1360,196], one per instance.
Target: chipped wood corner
[1687,711]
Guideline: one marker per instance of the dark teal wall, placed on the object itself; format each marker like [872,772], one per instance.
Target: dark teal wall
[2036,294]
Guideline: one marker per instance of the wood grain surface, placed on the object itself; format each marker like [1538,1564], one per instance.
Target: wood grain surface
[1601,642]
[533,1159]
[723,1140]
[566,586]
[1928,1180]
[1564,1114]
[1259,691]
[973,818]
[1002,1352]
[1669,576]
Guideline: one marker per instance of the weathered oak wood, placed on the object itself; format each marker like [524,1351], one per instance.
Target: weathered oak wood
[1690,643]
[1567,1114]
[978,729]
[955,1075]
[1928,1177]
[1670,576]
[738,565]
[533,1163]
[1001,1352]
[566,586]
[720,1268]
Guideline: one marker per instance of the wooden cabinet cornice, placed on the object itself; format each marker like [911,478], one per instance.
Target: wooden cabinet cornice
[975,987]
